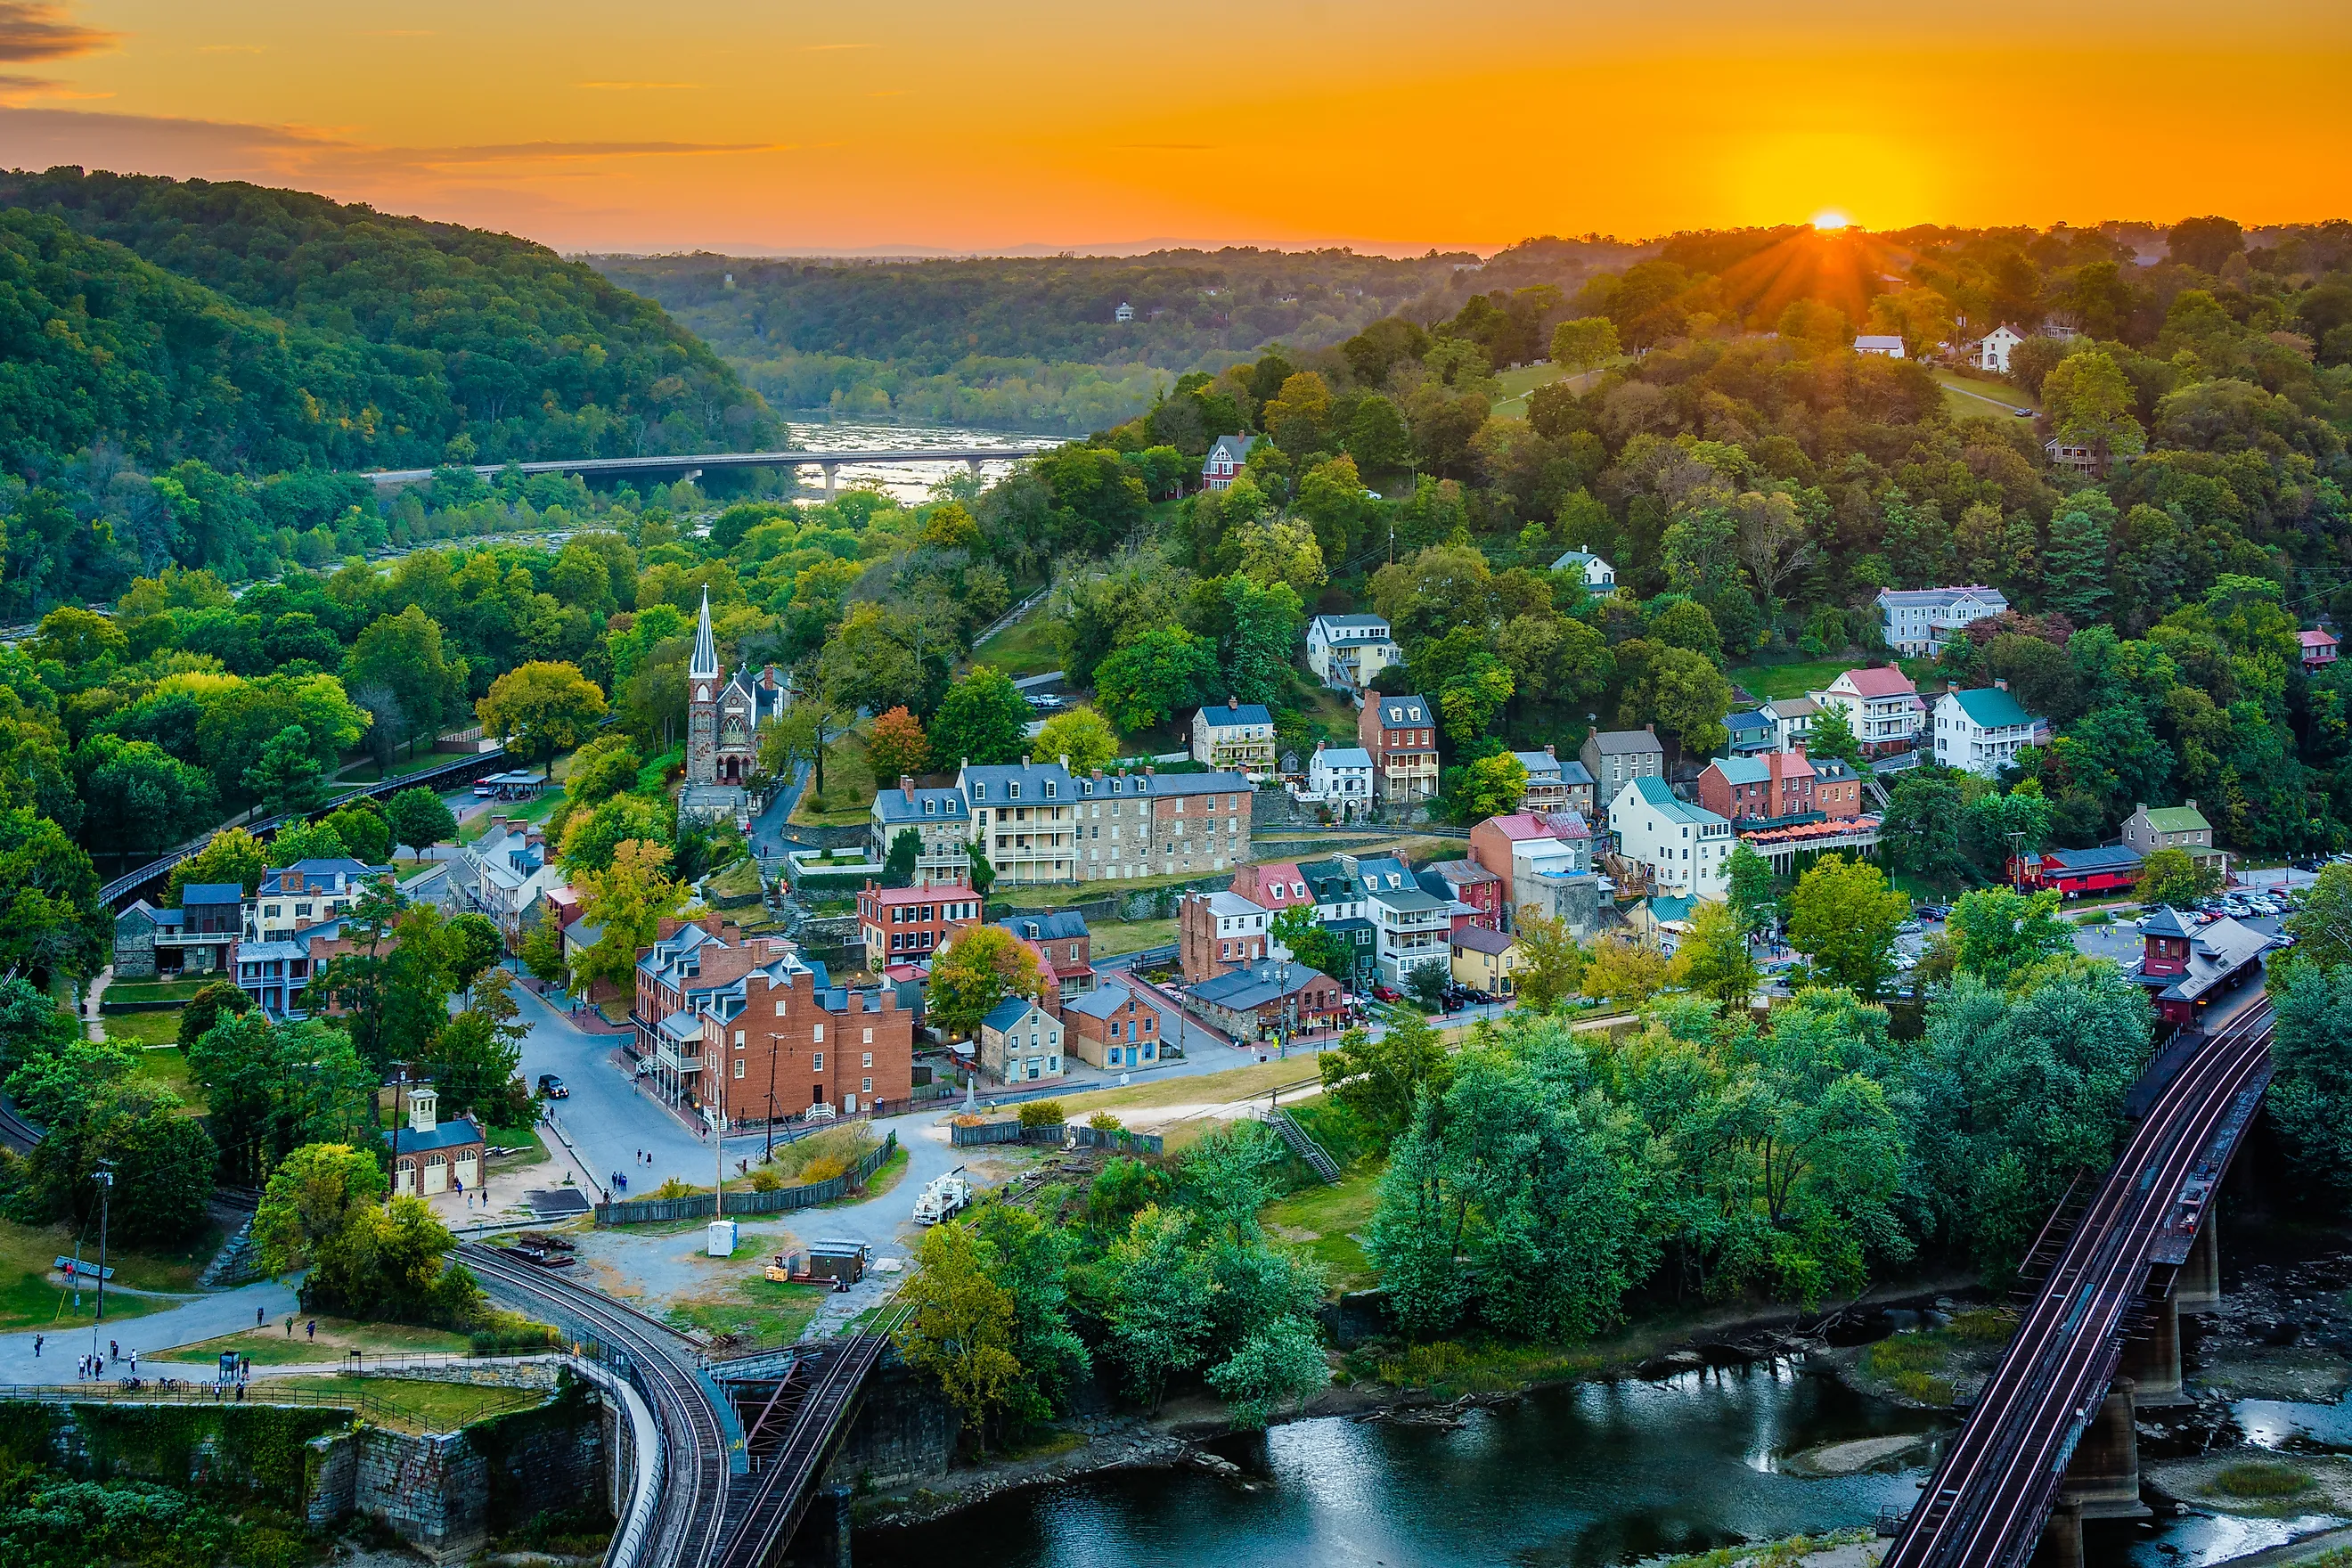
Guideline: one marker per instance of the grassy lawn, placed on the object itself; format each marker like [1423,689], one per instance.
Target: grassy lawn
[158,990]
[1512,404]
[1205,1089]
[1131,936]
[886,1176]
[1324,1221]
[527,1138]
[1965,396]
[1024,648]
[167,1063]
[740,880]
[421,1406]
[271,1345]
[28,1300]
[1768,681]
[139,1030]
[848,788]
[753,1306]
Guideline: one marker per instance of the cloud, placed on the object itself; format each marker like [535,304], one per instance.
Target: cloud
[31,30]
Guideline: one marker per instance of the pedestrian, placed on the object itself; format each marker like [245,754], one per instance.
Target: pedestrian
[259,1313]
[36,1347]
[114,1350]
[134,1362]
[312,1329]
[289,1325]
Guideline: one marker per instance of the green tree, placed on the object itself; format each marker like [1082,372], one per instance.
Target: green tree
[1550,965]
[1491,786]
[472,944]
[1922,829]
[984,966]
[32,1025]
[2090,401]
[541,709]
[1378,1080]
[1158,1296]
[1425,985]
[1266,624]
[366,837]
[905,857]
[2174,877]
[1684,694]
[1080,735]
[1832,736]
[984,720]
[1624,971]
[1296,928]
[1748,890]
[138,797]
[629,899]
[589,841]
[961,1330]
[1998,934]
[419,819]
[2310,1094]
[1585,342]
[231,855]
[605,767]
[474,1057]
[1713,961]
[2075,581]
[205,1008]
[1843,916]
[1151,679]
[274,1087]
[403,655]
[298,841]
[311,1196]
[2324,924]
[286,777]
[51,920]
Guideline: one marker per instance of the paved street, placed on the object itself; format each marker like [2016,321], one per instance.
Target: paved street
[201,1318]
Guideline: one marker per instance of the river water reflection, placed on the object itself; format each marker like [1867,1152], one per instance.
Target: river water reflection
[1583,1477]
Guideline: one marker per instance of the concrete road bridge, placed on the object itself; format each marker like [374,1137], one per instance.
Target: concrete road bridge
[693,465]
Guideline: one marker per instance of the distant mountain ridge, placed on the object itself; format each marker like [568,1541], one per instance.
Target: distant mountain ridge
[267,330]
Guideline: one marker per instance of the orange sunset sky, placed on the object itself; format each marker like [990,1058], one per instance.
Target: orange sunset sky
[1388,124]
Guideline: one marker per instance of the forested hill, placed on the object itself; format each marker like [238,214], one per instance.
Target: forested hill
[1033,342]
[266,329]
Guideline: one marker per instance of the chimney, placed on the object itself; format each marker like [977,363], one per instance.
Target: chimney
[1232,703]
[1999,684]
[1652,728]
[2192,805]
[1550,751]
[1024,761]
[2139,807]
[906,787]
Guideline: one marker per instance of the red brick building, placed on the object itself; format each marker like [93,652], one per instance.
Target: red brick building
[1216,932]
[1468,882]
[1064,946]
[1273,885]
[903,925]
[1113,1027]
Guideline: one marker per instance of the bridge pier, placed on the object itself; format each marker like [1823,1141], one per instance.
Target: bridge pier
[2198,1288]
[830,469]
[973,464]
[2102,1481]
[2061,1539]
[2152,1361]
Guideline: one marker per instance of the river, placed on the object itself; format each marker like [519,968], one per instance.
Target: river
[1587,1476]
[910,482]
[1595,1475]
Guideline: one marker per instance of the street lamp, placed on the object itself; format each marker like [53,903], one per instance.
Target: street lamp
[104,1176]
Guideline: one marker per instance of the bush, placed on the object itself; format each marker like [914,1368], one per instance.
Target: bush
[2258,1478]
[498,1333]
[671,1189]
[1104,1121]
[1923,1389]
[1041,1113]
[765,1179]
[837,1147]
[823,1168]
[1987,1325]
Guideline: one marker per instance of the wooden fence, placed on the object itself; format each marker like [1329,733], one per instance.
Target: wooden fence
[964,1137]
[744,1200]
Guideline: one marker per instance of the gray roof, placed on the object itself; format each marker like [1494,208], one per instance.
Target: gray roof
[585,932]
[1347,629]
[1540,765]
[1399,712]
[993,785]
[1225,715]
[704,665]
[2215,954]
[1478,939]
[892,806]
[1100,1002]
[1407,899]
[1234,447]
[1164,785]
[454,1133]
[212,893]
[1344,757]
[1621,743]
[1572,772]
[1053,925]
[1255,984]
[1008,1014]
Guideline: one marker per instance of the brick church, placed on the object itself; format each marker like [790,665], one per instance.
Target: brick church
[723,712]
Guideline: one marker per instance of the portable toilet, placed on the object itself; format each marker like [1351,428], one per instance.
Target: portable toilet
[722,1238]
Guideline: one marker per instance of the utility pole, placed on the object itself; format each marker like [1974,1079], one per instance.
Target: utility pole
[718,1141]
[104,1176]
[392,1189]
[770,1152]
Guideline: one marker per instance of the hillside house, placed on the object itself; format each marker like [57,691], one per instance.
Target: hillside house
[1400,735]
[1917,622]
[1346,651]
[1980,731]
[1881,706]
[1222,466]
[1235,736]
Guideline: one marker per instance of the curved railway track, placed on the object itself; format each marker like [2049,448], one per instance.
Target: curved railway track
[1994,1490]
[689,1526]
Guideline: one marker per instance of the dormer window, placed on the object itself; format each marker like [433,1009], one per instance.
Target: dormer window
[1013,791]
[979,791]
[930,806]
[1049,789]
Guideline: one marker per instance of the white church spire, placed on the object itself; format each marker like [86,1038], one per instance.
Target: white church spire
[705,666]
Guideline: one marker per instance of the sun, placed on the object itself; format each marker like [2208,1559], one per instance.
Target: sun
[1829,221]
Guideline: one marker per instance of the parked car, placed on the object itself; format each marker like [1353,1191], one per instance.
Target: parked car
[551,1088]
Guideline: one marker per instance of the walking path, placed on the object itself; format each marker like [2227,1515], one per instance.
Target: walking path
[93,1028]
[200,1318]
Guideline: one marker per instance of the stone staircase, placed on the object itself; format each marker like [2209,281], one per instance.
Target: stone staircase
[1317,1158]
[236,1263]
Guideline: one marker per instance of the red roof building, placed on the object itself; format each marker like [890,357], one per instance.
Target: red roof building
[904,925]
[2319,648]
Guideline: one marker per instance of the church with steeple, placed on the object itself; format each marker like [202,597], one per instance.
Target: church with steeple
[723,712]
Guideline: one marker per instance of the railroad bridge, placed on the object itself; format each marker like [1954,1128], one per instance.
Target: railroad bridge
[2050,1441]
[741,1447]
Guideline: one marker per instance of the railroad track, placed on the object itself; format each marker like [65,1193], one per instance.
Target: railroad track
[16,1133]
[1990,1497]
[689,1524]
[785,1489]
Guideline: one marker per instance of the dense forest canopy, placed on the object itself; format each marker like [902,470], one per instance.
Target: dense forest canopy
[1033,342]
[262,330]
